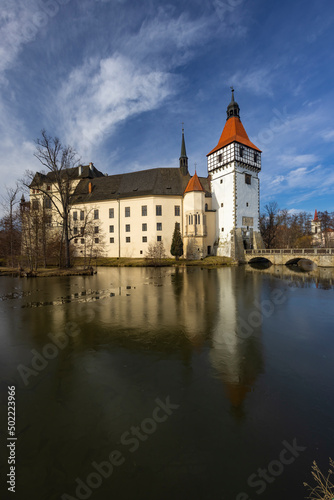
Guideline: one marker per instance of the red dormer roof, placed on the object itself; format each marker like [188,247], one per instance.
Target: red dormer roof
[194,184]
[315,216]
[234,132]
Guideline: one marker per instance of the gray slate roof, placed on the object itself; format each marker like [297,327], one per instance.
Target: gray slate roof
[157,181]
[72,174]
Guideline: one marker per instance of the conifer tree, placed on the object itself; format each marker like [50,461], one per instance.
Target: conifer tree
[177,243]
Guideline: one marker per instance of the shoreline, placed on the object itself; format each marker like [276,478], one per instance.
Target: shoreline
[77,270]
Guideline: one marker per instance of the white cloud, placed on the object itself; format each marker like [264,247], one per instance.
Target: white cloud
[295,160]
[101,94]
[328,135]
[256,81]
[138,78]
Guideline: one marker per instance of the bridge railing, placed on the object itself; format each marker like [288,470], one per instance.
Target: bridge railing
[292,251]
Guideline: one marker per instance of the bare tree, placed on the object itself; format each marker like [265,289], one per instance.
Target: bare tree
[155,253]
[269,224]
[10,223]
[60,161]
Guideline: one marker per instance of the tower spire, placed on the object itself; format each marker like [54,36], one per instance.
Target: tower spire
[233,108]
[183,158]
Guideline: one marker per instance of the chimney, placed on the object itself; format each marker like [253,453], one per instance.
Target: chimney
[91,166]
[90,187]
[80,170]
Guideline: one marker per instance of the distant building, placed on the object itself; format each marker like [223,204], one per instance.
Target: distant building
[217,214]
[322,238]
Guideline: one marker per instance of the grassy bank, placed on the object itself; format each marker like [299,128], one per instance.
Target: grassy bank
[44,272]
[77,269]
[127,262]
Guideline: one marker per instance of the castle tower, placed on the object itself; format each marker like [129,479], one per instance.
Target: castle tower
[183,157]
[194,219]
[234,165]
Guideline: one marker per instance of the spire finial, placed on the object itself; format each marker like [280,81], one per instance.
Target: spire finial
[232,89]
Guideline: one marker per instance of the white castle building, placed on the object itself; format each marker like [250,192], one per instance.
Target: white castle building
[217,214]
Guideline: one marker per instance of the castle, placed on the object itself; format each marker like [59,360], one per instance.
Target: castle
[216,215]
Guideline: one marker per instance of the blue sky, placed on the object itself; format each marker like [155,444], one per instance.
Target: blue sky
[116,79]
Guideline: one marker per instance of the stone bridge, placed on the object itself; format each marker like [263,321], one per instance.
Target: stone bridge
[322,257]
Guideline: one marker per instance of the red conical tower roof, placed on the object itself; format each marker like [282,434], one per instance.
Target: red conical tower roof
[234,132]
[315,216]
[194,184]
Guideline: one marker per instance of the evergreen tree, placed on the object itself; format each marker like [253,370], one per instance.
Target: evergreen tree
[177,243]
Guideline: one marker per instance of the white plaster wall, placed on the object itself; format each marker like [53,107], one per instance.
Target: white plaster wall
[136,247]
[246,193]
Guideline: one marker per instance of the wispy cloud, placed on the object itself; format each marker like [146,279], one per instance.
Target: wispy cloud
[99,94]
[258,81]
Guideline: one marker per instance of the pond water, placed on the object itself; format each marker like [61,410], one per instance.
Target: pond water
[143,383]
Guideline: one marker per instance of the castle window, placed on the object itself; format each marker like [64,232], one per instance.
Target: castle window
[82,231]
[111,240]
[158,238]
[247,204]
[191,220]
[177,210]
[76,240]
[220,158]
[159,226]
[248,179]
[75,230]
[96,240]
[127,228]
[96,229]
[177,225]
[82,215]
[111,229]
[255,157]
[195,219]
[127,211]
[75,215]
[222,229]
[241,153]
[82,241]
[144,239]
[206,207]
[141,252]
[48,188]
[144,210]
[127,239]
[198,219]
[47,202]
[222,204]
[35,205]
[111,213]
[158,210]
[96,214]
[144,227]
[221,181]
